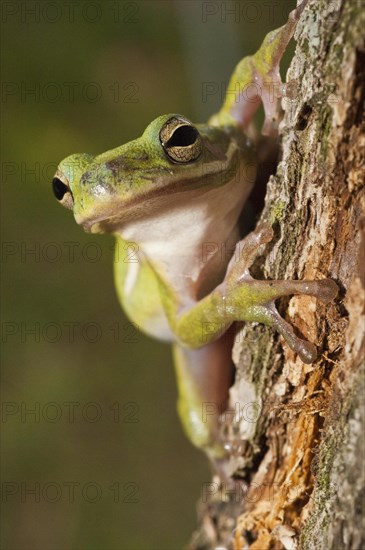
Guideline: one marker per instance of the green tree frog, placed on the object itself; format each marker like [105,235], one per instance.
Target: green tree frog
[167,196]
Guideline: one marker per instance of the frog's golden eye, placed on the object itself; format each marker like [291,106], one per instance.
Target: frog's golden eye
[62,190]
[180,140]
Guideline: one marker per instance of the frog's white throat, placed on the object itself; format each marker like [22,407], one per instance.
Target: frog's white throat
[178,239]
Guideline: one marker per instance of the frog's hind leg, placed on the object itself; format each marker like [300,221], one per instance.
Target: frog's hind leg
[204,377]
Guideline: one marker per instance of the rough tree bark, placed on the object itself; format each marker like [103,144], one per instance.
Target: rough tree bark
[303,425]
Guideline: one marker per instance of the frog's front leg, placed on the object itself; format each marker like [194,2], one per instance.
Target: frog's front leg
[257,79]
[242,298]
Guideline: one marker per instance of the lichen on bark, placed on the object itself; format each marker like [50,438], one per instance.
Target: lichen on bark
[302,459]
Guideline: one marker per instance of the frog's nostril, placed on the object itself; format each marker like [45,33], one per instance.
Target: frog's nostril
[59,188]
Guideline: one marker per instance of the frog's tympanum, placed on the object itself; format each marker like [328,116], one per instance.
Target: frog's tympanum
[173,198]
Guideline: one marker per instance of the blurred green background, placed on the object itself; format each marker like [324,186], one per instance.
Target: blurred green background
[102,462]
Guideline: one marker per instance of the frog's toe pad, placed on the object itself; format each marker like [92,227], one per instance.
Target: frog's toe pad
[327,290]
[264,233]
[306,351]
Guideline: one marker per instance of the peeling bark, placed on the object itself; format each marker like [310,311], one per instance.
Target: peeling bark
[302,426]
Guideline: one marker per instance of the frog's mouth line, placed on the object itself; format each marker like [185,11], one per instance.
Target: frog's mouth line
[114,214]
[127,210]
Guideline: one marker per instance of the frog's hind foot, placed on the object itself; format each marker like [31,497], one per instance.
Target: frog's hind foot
[254,300]
[325,290]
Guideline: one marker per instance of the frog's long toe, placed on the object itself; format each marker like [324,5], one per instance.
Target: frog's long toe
[324,290]
[306,350]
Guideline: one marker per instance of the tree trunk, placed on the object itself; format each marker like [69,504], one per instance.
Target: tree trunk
[302,427]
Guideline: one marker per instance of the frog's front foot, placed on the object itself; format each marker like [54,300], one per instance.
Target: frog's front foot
[247,299]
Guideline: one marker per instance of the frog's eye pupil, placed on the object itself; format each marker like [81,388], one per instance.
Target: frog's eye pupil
[59,188]
[183,136]
[180,140]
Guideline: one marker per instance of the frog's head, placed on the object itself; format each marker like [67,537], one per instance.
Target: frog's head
[171,157]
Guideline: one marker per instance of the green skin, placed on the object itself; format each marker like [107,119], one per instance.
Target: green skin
[167,196]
